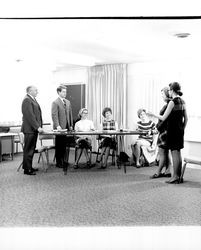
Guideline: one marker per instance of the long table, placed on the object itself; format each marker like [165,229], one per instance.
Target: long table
[119,133]
[95,132]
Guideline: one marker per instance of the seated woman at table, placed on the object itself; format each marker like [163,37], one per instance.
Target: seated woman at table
[146,141]
[83,142]
[107,141]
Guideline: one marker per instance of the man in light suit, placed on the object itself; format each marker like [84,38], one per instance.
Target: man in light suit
[31,126]
[62,119]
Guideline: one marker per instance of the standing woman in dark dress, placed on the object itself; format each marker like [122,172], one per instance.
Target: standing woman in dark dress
[176,122]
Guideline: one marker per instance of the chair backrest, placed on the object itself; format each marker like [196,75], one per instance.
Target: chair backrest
[44,137]
[16,130]
[21,138]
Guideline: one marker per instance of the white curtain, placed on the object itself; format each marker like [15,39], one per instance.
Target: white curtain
[143,92]
[107,86]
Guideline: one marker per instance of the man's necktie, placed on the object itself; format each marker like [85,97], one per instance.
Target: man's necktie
[64,103]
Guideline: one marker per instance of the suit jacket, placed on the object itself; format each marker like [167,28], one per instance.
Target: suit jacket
[62,116]
[32,115]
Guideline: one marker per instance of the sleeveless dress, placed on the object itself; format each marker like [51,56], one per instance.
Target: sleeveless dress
[175,125]
[108,141]
[162,129]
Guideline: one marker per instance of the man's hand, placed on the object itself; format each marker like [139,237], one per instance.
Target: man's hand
[59,128]
[40,130]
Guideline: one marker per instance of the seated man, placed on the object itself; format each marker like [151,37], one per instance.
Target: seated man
[83,142]
[145,142]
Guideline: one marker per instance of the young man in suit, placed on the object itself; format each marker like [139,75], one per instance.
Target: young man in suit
[31,126]
[62,119]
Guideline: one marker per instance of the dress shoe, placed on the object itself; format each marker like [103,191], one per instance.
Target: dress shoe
[65,169]
[156,176]
[175,181]
[89,165]
[34,169]
[103,167]
[59,166]
[75,166]
[29,172]
[181,180]
[166,174]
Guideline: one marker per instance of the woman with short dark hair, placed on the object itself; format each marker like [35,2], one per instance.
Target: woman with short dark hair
[107,141]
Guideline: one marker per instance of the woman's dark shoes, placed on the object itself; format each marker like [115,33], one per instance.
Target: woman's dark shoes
[89,165]
[59,166]
[29,172]
[103,167]
[166,175]
[138,166]
[34,169]
[181,180]
[156,176]
[75,166]
[175,181]
[99,160]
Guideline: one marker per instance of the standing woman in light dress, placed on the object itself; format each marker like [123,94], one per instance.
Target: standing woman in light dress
[176,116]
[164,156]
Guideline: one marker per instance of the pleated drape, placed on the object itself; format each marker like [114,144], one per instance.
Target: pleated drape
[107,86]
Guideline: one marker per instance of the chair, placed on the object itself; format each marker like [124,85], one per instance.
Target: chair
[41,150]
[192,160]
[16,138]
[44,139]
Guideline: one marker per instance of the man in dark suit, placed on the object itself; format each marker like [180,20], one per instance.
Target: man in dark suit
[62,119]
[31,126]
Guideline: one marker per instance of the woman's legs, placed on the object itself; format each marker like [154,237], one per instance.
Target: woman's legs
[136,149]
[86,154]
[136,152]
[162,160]
[102,153]
[107,152]
[177,163]
[177,166]
[78,155]
[168,162]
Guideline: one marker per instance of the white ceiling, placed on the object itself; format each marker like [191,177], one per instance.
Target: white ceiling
[67,42]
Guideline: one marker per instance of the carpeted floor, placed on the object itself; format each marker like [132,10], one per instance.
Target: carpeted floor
[94,197]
